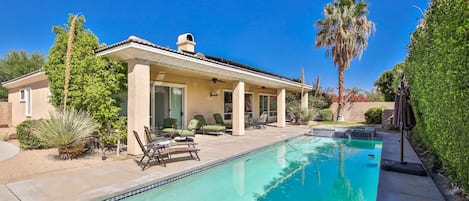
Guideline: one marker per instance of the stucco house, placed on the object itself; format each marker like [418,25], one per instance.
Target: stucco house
[181,83]
[29,97]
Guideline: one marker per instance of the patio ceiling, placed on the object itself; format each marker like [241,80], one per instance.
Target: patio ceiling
[198,66]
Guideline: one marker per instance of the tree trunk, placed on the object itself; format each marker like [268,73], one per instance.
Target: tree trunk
[340,100]
[68,58]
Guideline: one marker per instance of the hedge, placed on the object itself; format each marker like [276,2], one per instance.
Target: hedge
[437,70]
[326,115]
[373,115]
[26,139]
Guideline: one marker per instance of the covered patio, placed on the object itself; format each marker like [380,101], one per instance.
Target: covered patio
[181,83]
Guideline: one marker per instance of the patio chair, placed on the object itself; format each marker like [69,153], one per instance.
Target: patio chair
[149,152]
[169,126]
[262,120]
[189,133]
[205,128]
[159,138]
[219,121]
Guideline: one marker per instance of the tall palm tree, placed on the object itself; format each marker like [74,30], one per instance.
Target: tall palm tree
[344,32]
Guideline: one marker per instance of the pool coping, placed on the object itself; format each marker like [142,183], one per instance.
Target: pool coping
[183,174]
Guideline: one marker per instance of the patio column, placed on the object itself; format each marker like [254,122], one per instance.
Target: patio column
[138,103]
[281,108]
[304,101]
[238,109]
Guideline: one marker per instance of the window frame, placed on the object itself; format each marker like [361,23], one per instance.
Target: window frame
[26,97]
[271,113]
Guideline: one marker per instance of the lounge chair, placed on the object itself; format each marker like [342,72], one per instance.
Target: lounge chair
[169,126]
[188,133]
[149,151]
[159,150]
[219,121]
[158,138]
[205,128]
[152,136]
[262,120]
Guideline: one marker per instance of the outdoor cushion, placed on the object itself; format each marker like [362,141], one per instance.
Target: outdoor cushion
[208,128]
[219,121]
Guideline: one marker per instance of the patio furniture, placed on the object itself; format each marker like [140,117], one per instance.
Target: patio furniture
[169,126]
[149,151]
[159,138]
[262,120]
[219,121]
[205,128]
[189,132]
[159,150]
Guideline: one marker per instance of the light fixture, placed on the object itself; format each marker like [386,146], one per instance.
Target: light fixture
[216,93]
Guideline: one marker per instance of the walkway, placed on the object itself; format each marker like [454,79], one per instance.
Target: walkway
[7,150]
[102,181]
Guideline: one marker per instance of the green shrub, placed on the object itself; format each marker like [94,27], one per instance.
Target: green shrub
[325,115]
[26,138]
[373,115]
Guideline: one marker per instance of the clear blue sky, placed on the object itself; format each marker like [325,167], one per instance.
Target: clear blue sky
[276,36]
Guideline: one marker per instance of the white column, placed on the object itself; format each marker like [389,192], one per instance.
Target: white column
[138,103]
[304,101]
[238,109]
[281,108]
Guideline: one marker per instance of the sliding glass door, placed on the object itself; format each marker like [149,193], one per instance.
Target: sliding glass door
[167,102]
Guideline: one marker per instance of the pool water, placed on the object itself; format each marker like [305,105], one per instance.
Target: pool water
[304,168]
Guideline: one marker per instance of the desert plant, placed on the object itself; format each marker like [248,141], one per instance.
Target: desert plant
[26,138]
[66,131]
[325,115]
[307,115]
[373,115]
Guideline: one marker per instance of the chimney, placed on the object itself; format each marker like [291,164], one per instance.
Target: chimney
[186,43]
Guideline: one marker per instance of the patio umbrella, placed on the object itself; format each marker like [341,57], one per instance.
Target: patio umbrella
[403,114]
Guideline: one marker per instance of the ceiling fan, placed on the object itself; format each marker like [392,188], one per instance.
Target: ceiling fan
[215,80]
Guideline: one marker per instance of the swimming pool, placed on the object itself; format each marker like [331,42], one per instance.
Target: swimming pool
[303,168]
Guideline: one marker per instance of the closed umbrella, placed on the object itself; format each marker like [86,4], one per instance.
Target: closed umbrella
[403,114]
[405,119]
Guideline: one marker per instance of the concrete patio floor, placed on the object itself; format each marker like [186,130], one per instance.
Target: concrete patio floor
[103,181]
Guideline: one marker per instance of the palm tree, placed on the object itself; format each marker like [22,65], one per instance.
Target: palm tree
[344,32]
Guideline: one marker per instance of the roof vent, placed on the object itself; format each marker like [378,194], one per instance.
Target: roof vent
[186,43]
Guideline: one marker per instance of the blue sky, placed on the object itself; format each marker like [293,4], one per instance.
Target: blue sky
[276,36]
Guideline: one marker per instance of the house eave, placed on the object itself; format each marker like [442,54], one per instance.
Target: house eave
[30,78]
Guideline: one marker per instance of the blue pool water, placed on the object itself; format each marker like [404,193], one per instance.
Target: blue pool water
[304,168]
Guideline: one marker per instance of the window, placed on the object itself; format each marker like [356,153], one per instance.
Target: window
[272,106]
[228,105]
[25,97]
[248,105]
[22,95]
[268,104]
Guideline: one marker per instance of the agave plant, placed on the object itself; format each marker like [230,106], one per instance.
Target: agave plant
[66,131]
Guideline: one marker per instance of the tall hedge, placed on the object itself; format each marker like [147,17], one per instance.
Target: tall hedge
[437,68]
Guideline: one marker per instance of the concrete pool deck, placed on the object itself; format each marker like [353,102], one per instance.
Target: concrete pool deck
[103,181]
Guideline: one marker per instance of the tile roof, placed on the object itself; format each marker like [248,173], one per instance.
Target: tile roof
[212,59]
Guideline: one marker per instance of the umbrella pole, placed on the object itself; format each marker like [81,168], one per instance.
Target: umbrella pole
[402,144]
[401,119]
